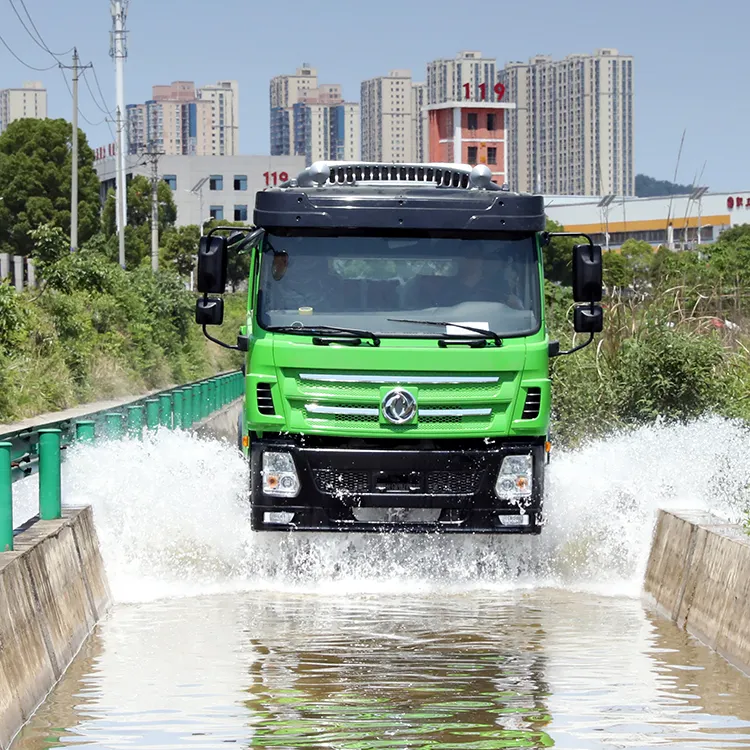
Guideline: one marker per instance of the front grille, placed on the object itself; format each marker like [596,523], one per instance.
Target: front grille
[533,403]
[335,482]
[265,399]
[452,482]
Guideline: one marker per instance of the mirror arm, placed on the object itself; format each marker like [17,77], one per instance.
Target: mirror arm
[576,348]
[220,343]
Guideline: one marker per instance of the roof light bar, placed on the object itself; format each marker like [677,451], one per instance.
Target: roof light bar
[349,172]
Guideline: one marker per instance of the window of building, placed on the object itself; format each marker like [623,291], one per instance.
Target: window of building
[240,182]
[472,120]
[492,155]
[472,154]
[491,122]
[217,212]
[171,180]
[216,182]
[240,213]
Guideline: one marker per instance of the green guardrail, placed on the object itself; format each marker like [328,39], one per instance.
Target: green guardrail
[41,449]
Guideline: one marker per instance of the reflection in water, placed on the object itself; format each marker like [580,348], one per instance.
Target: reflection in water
[480,670]
[400,673]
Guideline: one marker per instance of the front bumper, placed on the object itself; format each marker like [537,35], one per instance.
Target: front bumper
[380,485]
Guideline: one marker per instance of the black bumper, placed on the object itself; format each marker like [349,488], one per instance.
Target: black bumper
[450,482]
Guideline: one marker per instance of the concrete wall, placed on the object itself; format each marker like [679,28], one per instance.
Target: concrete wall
[223,424]
[698,575]
[53,591]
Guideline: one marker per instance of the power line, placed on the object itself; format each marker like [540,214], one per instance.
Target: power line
[30,67]
[101,109]
[99,88]
[40,41]
[93,124]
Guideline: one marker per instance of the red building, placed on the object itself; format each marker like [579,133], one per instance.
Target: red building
[470,133]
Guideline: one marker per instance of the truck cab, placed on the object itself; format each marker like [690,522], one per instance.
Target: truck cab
[397,358]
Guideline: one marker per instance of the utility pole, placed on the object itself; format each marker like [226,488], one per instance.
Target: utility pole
[76,68]
[119,52]
[152,157]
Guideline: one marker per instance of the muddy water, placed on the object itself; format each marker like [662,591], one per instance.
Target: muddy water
[224,637]
[535,668]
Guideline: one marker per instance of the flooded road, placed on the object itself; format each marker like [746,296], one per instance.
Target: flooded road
[221,637]
[536,668]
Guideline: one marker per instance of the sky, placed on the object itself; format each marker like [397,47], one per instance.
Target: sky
[690,68]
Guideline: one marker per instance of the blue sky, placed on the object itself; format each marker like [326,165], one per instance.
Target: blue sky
[691,67]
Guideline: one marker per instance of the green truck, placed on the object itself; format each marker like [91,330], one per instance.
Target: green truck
[396,353]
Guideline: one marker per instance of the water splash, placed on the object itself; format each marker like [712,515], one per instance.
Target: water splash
[173,520]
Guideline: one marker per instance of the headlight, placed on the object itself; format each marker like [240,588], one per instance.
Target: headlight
[280,475]
[515,478]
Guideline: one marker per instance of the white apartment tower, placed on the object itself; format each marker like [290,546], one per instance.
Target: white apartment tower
[224,97]
[388,118]
[18,104]
[466,77]
[285,92]
[178,120]
[419,122]
[572,130]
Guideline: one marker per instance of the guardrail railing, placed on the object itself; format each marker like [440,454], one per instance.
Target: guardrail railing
[41,448]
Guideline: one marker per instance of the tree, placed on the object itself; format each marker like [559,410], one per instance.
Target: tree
[558,256]
[35,178]
[138,228]
[180,248]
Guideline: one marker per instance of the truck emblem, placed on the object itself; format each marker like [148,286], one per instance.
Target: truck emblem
[399,406]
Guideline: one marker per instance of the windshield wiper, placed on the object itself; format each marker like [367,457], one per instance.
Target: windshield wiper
[335,331]
[481,331]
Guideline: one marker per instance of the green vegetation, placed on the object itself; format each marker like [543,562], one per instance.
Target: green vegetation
[648,187]
[675,344]
[93,330]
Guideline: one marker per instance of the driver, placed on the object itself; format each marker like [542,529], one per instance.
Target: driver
[475,282]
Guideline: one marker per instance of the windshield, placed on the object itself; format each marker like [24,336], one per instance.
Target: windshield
[363,282]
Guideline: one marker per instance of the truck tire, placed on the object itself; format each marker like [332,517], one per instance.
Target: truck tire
[239,432]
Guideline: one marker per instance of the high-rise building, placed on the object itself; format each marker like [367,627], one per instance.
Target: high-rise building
[466,77]
[419,122]
[285,92]
[27,102]
[311,119]
[572,130]
[225,116]
[389,118]
[180,120]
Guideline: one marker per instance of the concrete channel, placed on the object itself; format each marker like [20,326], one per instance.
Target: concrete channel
[303,665]
[53,592]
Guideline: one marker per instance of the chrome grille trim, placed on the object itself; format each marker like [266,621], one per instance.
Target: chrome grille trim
[361,411]
[405,380]
[455,412]
[367,411]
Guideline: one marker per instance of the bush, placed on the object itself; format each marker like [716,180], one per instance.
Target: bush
[94,330]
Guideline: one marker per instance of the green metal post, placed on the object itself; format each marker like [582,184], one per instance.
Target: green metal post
[212,396]
[187,408]
[222,386]
[50,482]
[114,424]
[196,403]
[135,421]
[85,431]
[204,400]
[6,499]
[178,410]
[152,413]
[238,380]
[165,409]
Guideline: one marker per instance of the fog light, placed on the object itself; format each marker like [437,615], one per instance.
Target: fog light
[280,475]
[278,516]
[513,520]
[514,479]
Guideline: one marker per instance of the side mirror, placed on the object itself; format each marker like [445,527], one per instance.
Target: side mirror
[587,273]
[212,265]
[209,311]
[588,319]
